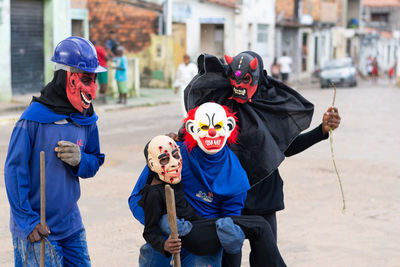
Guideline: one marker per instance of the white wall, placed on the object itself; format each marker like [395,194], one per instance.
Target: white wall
[255,12]
[324,48]
[57,26]
[386,56]
[206,11]
[5,51]
[236,25]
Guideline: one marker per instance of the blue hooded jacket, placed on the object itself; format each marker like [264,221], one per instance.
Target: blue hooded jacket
[39,129]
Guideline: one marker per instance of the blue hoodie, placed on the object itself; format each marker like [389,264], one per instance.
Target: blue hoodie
[39,129]
[215,185]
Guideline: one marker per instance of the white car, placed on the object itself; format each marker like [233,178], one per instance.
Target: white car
[340,72]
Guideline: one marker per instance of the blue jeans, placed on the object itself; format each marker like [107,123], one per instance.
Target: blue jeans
[150,257]
[70,251]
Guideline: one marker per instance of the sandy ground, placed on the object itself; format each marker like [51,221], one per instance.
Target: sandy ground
[312,230]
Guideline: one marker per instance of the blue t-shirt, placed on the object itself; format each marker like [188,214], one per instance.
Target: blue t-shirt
[22,171]
[121,74]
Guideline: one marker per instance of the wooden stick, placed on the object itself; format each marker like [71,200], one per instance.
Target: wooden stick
[333,155]
[42,205]
[170,199]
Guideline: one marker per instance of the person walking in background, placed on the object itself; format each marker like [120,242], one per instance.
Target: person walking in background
[392,71]
[275,69]
[375,70]
[112,44]
[102,77]
[62,123]
[121,76]
[370,60]
[286,66]
[186,72]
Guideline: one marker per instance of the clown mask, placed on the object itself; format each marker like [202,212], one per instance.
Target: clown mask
[164,158]
[81,89]
[211,127]
[244,76]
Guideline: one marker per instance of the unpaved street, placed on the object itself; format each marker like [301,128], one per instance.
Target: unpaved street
[312,230]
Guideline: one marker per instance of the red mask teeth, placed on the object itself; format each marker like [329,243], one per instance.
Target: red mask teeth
[80,93]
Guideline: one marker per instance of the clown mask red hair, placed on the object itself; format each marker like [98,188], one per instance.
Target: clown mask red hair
[210,126]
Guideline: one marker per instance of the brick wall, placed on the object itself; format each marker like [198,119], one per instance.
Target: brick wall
[286,6]
[133,25]
[320,10]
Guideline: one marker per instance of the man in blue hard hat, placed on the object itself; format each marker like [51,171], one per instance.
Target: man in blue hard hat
[62,123]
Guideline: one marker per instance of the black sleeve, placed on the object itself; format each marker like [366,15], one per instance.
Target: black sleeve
[152,216]
[305,140]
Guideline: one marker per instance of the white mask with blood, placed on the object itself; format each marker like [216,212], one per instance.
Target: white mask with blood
[211,127]
[164,158]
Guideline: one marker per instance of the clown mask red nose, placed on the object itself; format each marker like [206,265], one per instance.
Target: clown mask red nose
[210,127]
[81,89]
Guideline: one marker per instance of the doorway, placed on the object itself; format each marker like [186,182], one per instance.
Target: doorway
[27,46]
[212,39]
[179,35]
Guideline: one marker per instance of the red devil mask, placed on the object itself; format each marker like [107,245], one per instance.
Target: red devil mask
[81,89]
[244,76]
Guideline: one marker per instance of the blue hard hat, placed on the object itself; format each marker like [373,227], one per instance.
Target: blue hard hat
[79,53]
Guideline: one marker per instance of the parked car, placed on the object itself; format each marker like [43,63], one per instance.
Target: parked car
[340,72]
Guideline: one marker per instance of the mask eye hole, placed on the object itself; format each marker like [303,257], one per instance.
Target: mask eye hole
[218,126]
[247,78]
[233,76]
[175,154]
[204,127]
[164,160]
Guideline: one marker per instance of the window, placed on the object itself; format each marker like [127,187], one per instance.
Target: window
[380,17]
[262,33]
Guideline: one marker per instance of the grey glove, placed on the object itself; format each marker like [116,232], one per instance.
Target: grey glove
[68,152]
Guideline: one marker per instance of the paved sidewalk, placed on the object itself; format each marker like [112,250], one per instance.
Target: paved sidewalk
[10,111]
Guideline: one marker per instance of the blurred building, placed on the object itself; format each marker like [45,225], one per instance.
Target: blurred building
[304,32]
[381,33]
[255,28]
[221,27]
[140,27]
[30,30]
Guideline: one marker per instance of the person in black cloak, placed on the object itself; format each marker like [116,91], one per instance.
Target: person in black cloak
[271,117]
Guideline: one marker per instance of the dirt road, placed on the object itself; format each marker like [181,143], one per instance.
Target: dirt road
[312,230]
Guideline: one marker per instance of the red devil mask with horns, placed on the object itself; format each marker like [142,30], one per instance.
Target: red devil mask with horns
[244,75]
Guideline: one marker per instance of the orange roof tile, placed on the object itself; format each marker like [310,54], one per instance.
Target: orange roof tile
[384,34]
[227,3]
[381,3]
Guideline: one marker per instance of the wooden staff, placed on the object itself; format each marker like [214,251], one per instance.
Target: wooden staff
[170,199]
[42,205]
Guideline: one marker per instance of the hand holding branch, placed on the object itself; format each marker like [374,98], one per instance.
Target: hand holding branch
[38,233]
[330,120]
[172,245]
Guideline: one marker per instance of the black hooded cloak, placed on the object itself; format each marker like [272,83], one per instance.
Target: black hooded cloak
[268,124]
